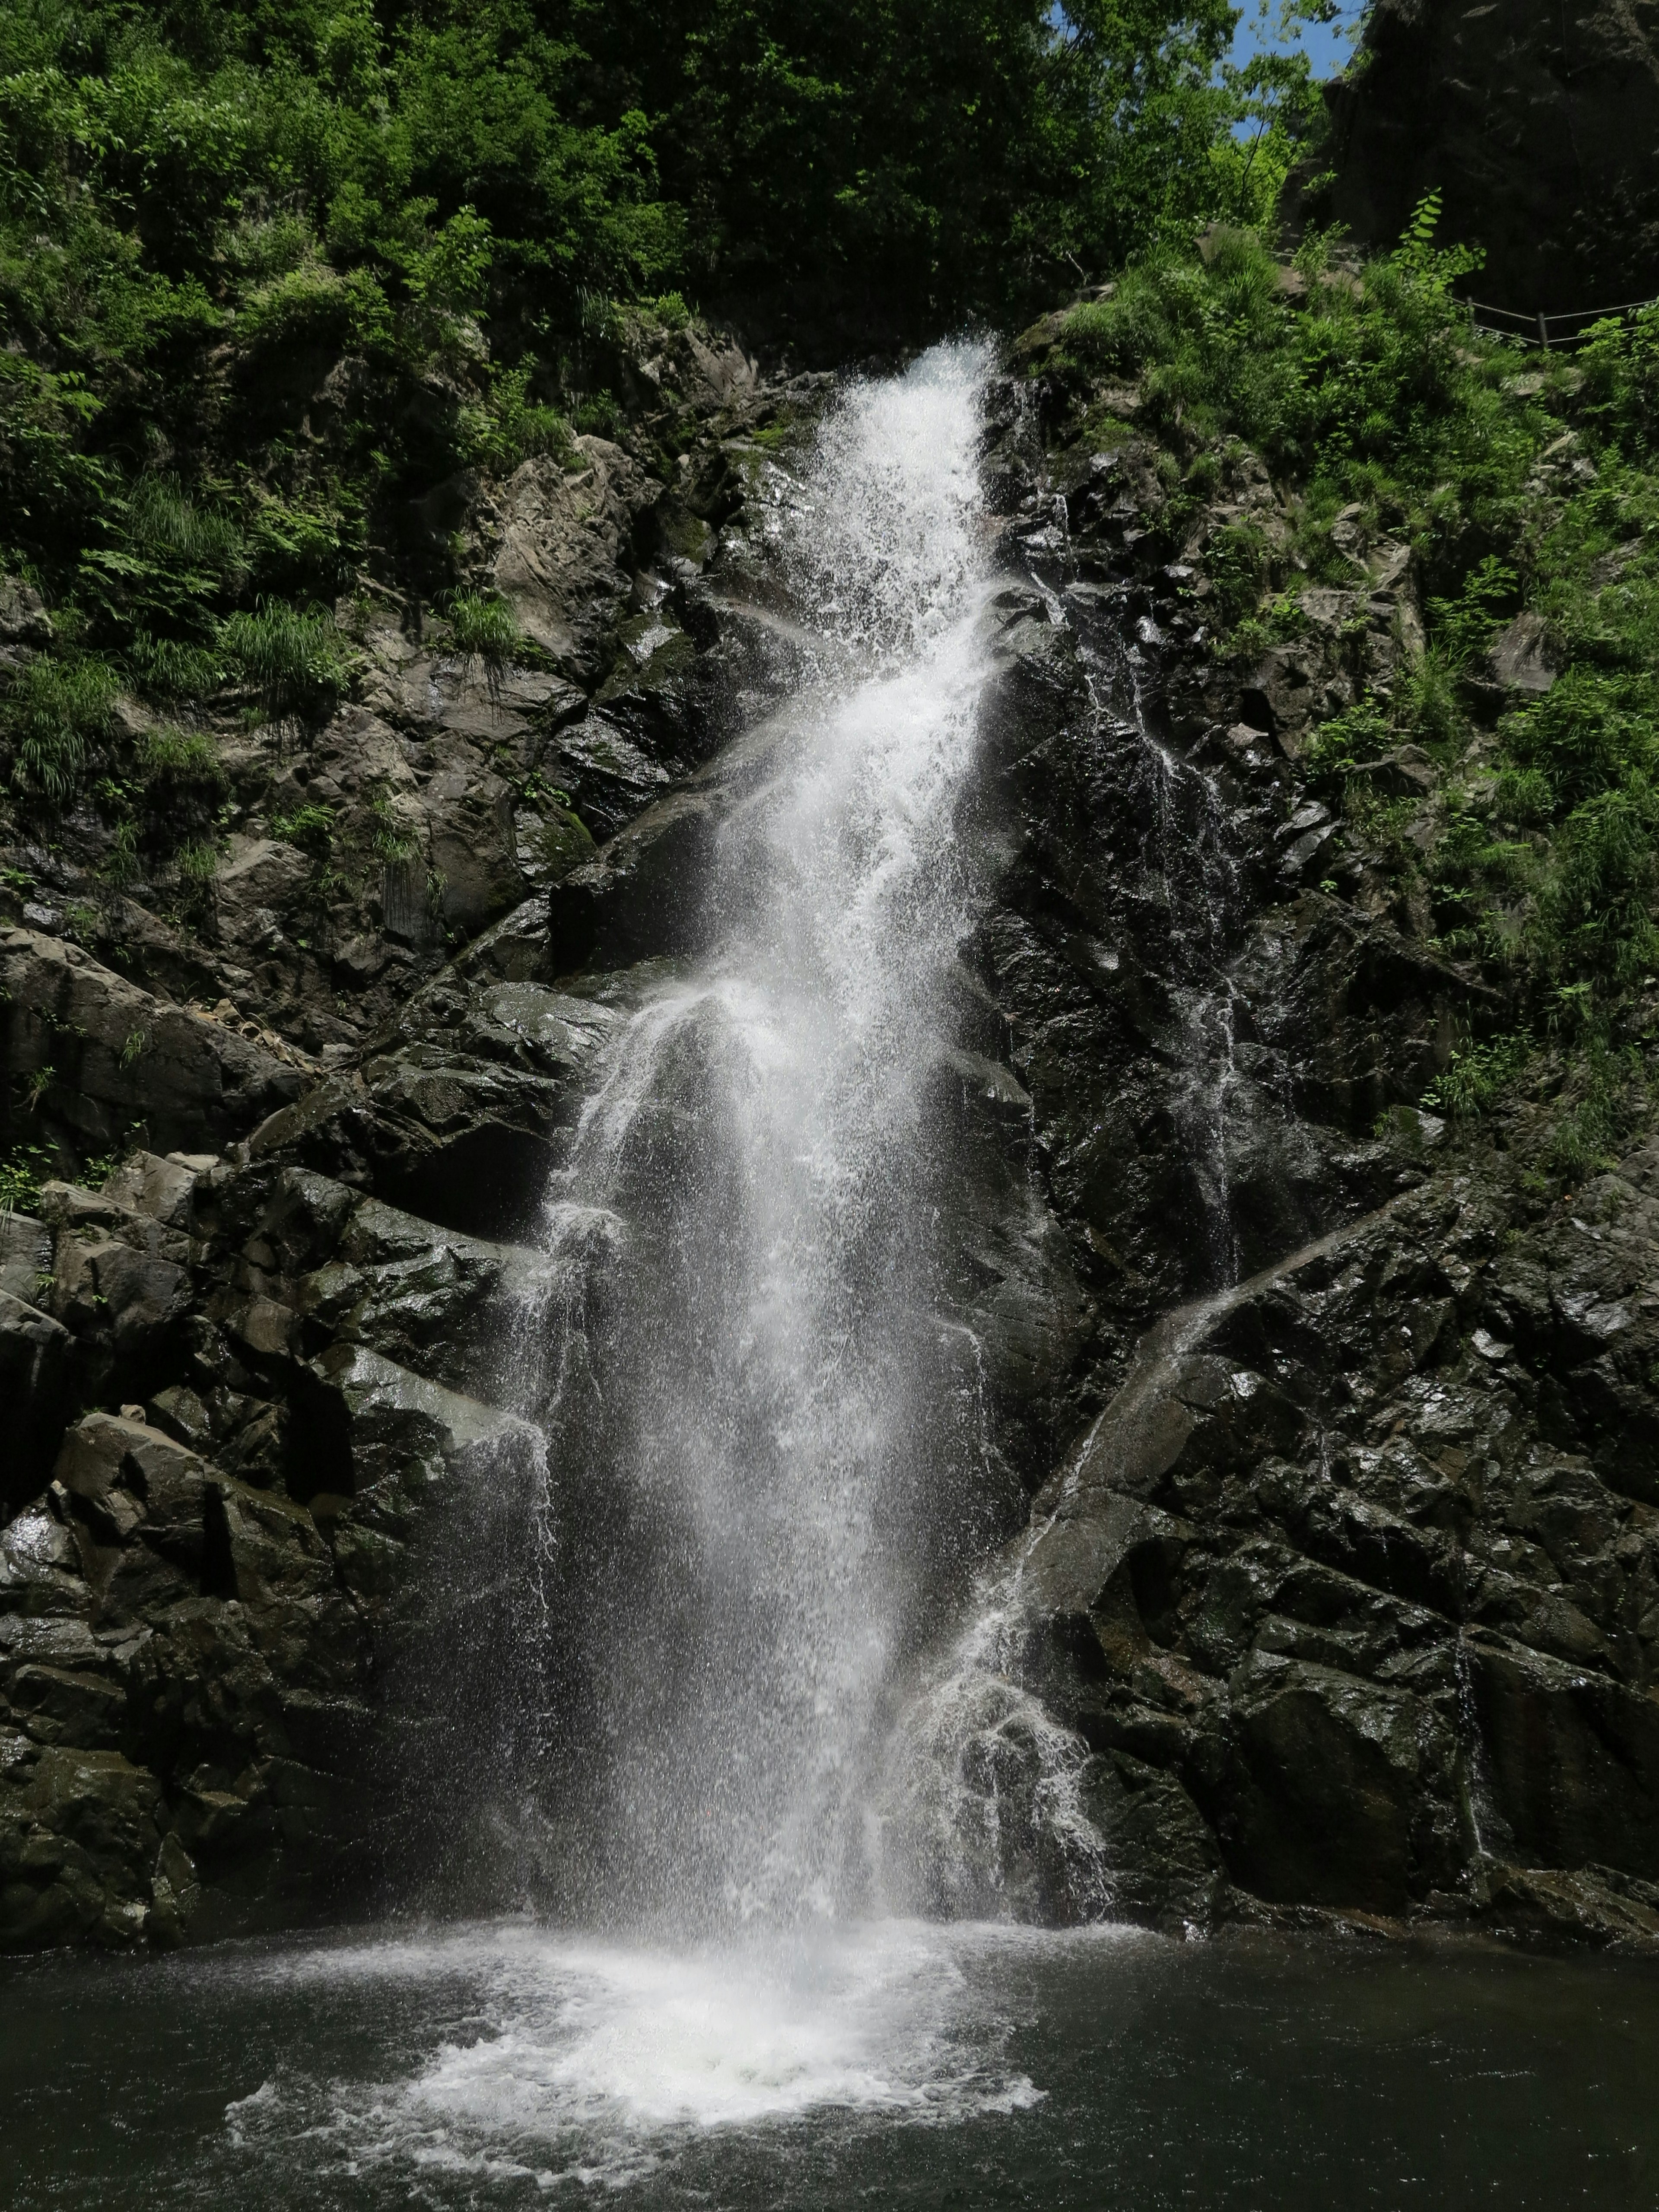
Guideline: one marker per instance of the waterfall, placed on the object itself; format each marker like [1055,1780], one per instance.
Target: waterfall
[751,1452]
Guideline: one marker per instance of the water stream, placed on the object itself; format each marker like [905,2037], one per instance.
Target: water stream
[735,1781]
[756,1457]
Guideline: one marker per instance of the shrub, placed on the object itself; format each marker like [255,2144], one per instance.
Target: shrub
[484,628]
[181,760]
[311,826]
[294,659]
[164,520]
[315,305]
[514,427]
[168,668]
[1477,1075]
[197,863]
[57,712]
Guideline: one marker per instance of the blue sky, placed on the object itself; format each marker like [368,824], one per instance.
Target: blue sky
[1326,45]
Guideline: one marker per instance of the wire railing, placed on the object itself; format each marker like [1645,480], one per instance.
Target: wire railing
[1542,330]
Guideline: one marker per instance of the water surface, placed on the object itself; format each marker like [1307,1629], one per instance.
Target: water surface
[891,2064]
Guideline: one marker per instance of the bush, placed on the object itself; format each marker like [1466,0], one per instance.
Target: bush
[294,659]
[57,713]
[169,669]
[1372,403]
[181,760]
[315,305]
[1620,366]
[484,628]
[269,271]
[310,827]
[1477,1075]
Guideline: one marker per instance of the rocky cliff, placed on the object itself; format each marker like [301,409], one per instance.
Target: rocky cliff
[1323,1444]
[1538,125]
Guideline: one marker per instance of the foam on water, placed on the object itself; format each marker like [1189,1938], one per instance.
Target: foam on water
[765,1459]
[569,2059]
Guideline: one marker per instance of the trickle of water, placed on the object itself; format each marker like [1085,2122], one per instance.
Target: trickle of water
[753,1467]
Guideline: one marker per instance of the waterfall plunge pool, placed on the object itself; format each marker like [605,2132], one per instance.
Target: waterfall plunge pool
[895,2063]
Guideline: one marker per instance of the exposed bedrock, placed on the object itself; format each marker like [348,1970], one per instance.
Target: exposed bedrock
[1357,1571]
[1538,125]
[1318,1481]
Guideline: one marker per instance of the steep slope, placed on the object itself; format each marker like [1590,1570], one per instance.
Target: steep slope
[1318,1426]
[1537,124]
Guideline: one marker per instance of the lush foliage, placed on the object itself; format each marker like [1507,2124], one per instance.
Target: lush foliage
[1526,486]
[966,152]
[271,270]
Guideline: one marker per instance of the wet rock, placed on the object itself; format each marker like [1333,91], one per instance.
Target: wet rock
[610,778]
[25,1256]
[566,539]
[175,1894]
[258,879]
[163,1189]
[78,1838]
[115,1056]
[1406,773]
[1572,1758]
[179,1412]
[1316,1562]
[1596,1904]
[1284,691]
[1166,1870]
[36,1383]
[642,895]
[1038,686]
[1331,1784]
[23,617]
[1519,656]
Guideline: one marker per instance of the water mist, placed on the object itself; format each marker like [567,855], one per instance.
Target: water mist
[754,1443]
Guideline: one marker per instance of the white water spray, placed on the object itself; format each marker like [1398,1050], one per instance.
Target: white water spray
[763,1451]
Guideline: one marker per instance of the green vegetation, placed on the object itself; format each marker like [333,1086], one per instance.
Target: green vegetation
[311,828]
[55,713]
[291,656]
[484,629]
[271,269]
[22,1171]
[1524,486]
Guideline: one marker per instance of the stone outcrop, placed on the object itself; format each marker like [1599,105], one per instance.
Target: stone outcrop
[110,1060]
[1537,124]
[1323,1445]
[1357,1573]
[359,857]
[199,1611]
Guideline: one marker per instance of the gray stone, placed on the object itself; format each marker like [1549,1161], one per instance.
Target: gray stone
[36,1381]
[23,617]
[119,1056]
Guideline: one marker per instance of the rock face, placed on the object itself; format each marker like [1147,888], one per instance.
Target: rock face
[1363,1587]
[112,1059]
[1538,125]
[196,1611]
[1320,1510]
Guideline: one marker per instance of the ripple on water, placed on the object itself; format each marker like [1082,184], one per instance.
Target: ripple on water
[577,2060]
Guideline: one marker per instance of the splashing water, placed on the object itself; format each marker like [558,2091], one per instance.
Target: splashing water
[587,2062]
[763,1424]
[753,1478]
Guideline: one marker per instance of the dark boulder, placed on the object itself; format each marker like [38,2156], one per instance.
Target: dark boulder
[1537,124]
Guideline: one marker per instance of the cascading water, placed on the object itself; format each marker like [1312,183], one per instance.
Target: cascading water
[766,1450]
[754,1448]
[713,1717]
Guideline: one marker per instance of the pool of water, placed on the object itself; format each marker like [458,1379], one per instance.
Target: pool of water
[893,2064]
